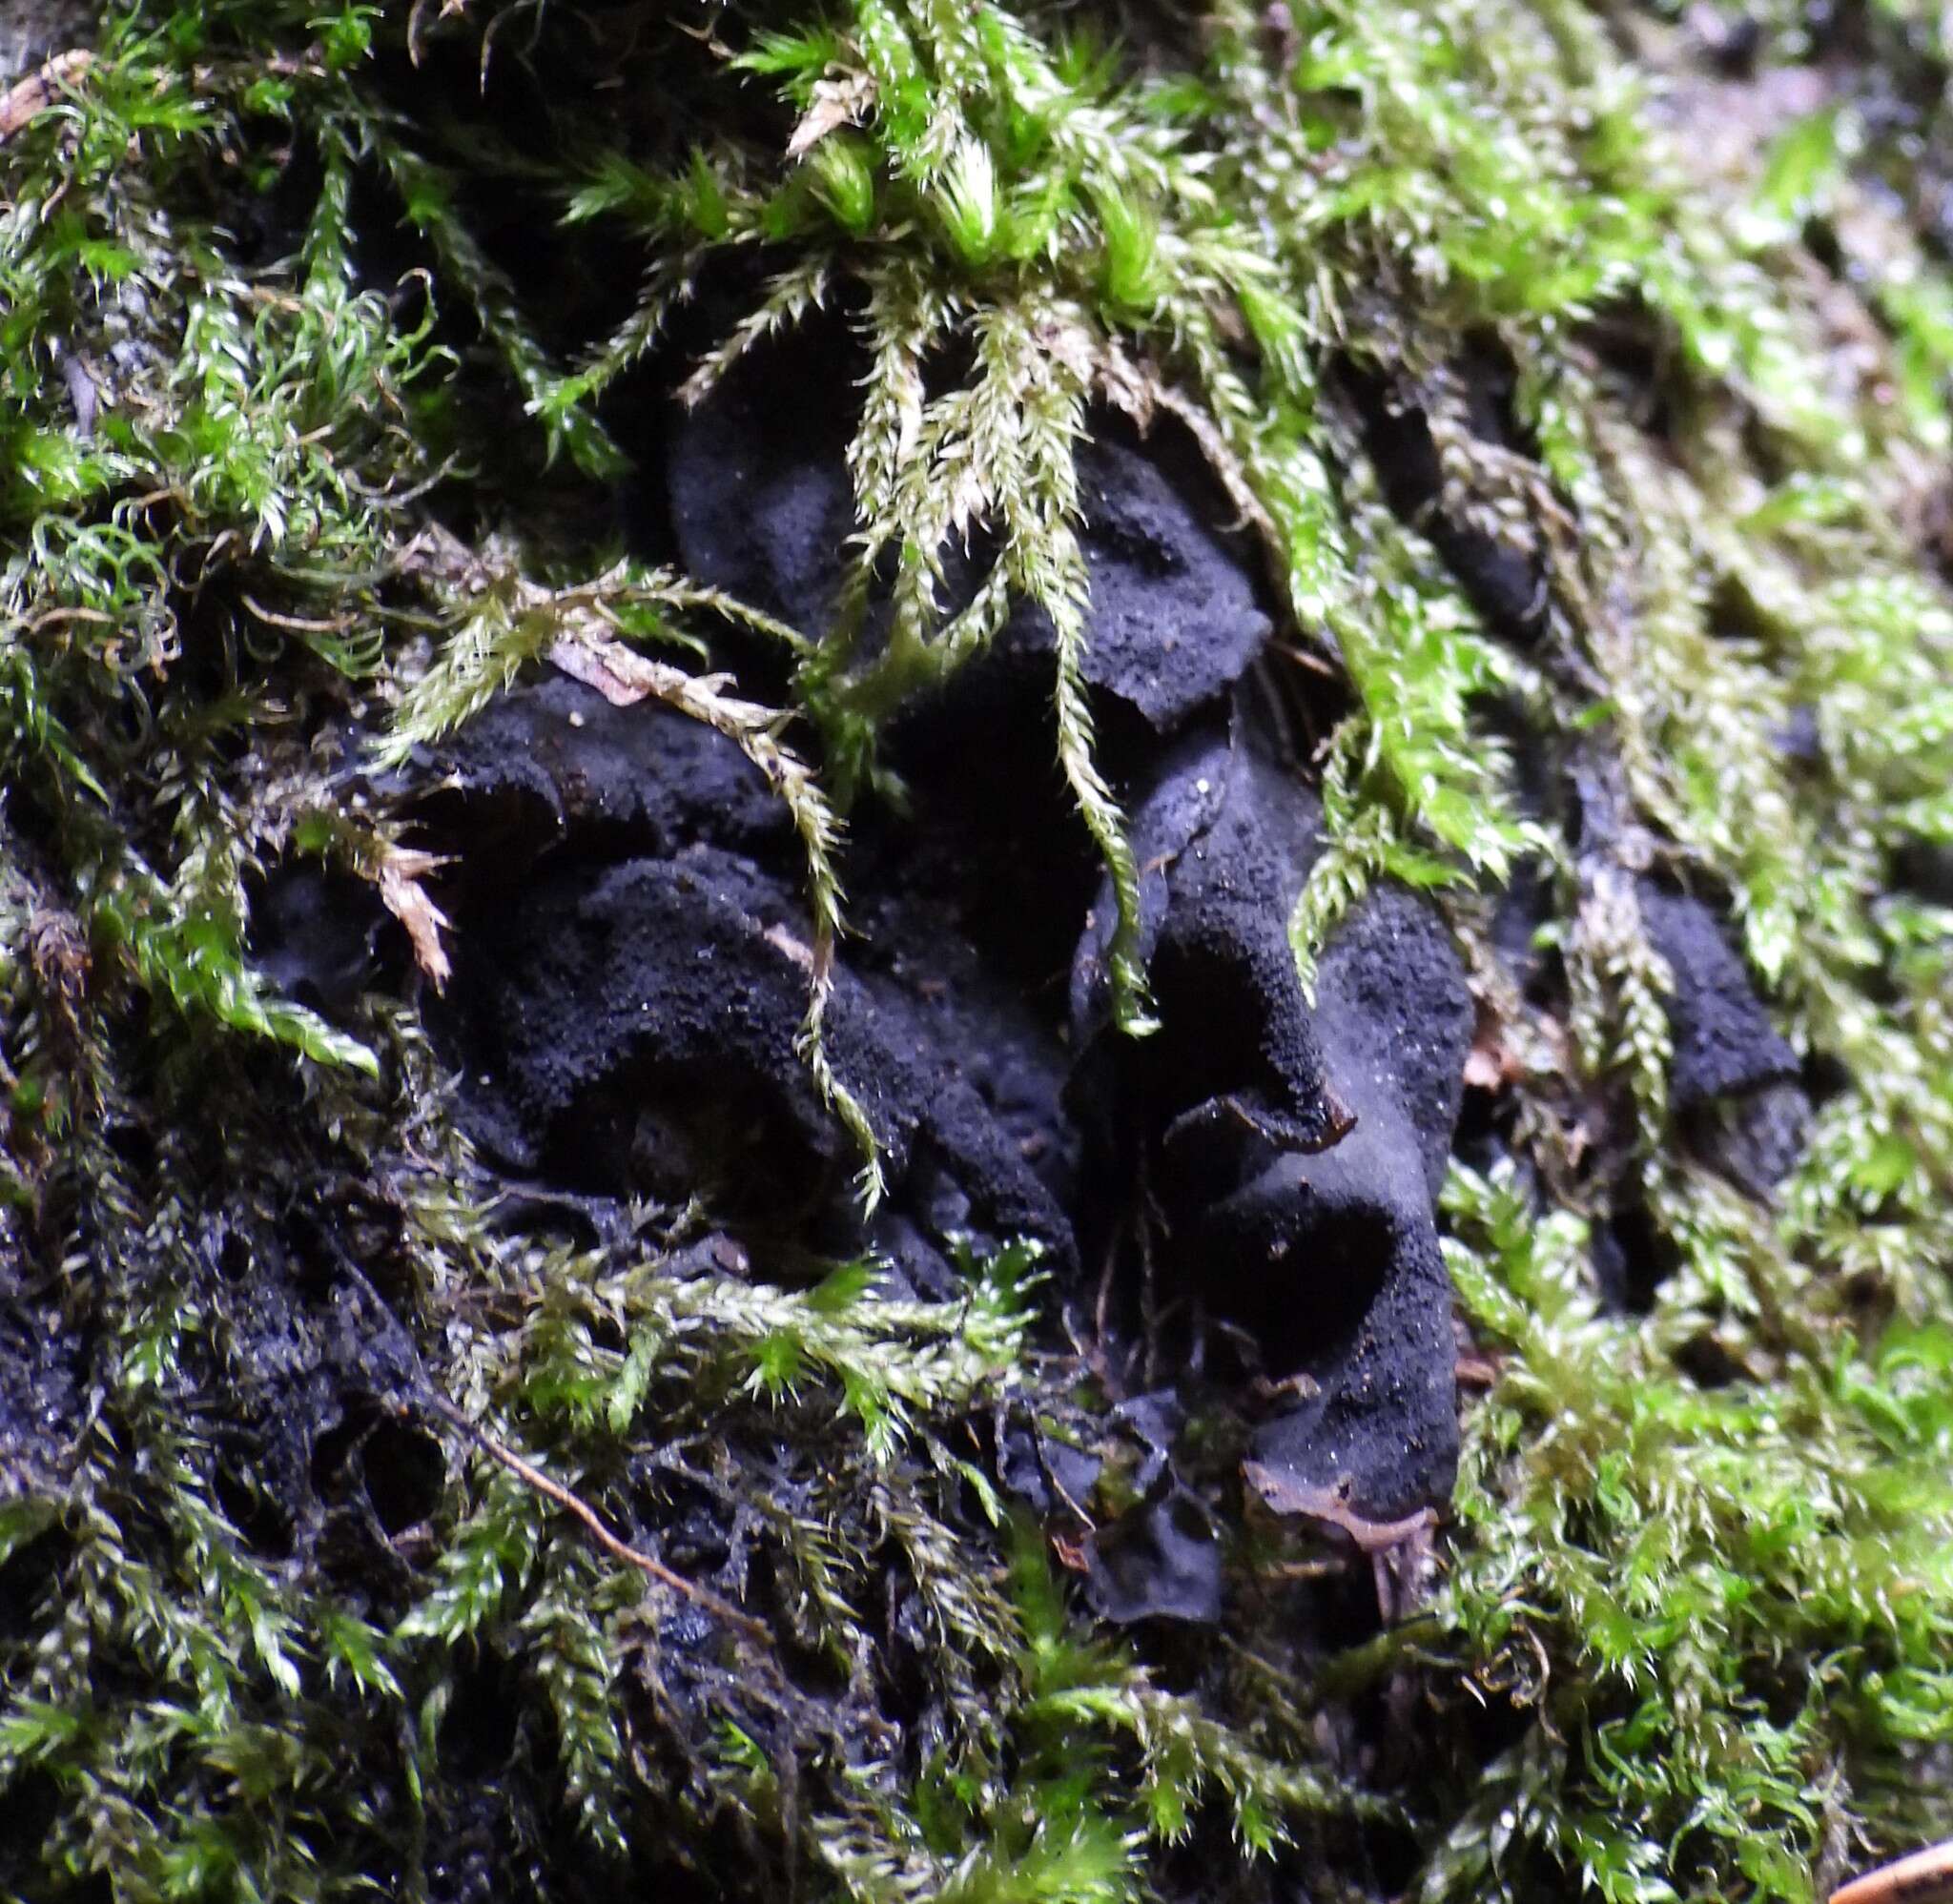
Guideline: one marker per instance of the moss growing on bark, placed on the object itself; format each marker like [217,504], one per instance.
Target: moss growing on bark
[1581,446]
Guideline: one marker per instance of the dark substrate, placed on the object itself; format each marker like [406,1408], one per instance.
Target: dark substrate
[1242,1204]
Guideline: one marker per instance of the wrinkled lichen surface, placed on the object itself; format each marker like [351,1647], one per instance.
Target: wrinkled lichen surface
[1104,851]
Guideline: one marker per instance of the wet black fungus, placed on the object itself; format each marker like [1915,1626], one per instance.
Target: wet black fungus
[633,959]
[1504,580]
[1174,615]
[1734,1079]
[1924,869]
[1161,1561]
[315,936]
[1724,1042]
[1299,1148]
[630,1023]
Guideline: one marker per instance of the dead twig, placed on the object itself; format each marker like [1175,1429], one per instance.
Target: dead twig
[303,624]
[532,1475]
[1925,1877]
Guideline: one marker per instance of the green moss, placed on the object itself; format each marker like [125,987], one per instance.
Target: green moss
[1727,1603]
[1708,1618]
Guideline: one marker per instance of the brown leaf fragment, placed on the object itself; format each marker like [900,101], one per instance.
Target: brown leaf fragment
[27,98]
[439,556]
[402,894]
[624,678]
[797,951]
[1286,1495]
[1399,1553]
[841,101]
[1492,1063]
[1071,1556]
[607,668]
[1485,1068]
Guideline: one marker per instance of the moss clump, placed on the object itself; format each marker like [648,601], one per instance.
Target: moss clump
[293,431]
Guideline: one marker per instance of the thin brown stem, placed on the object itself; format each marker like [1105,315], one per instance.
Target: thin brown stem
[533,1476]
